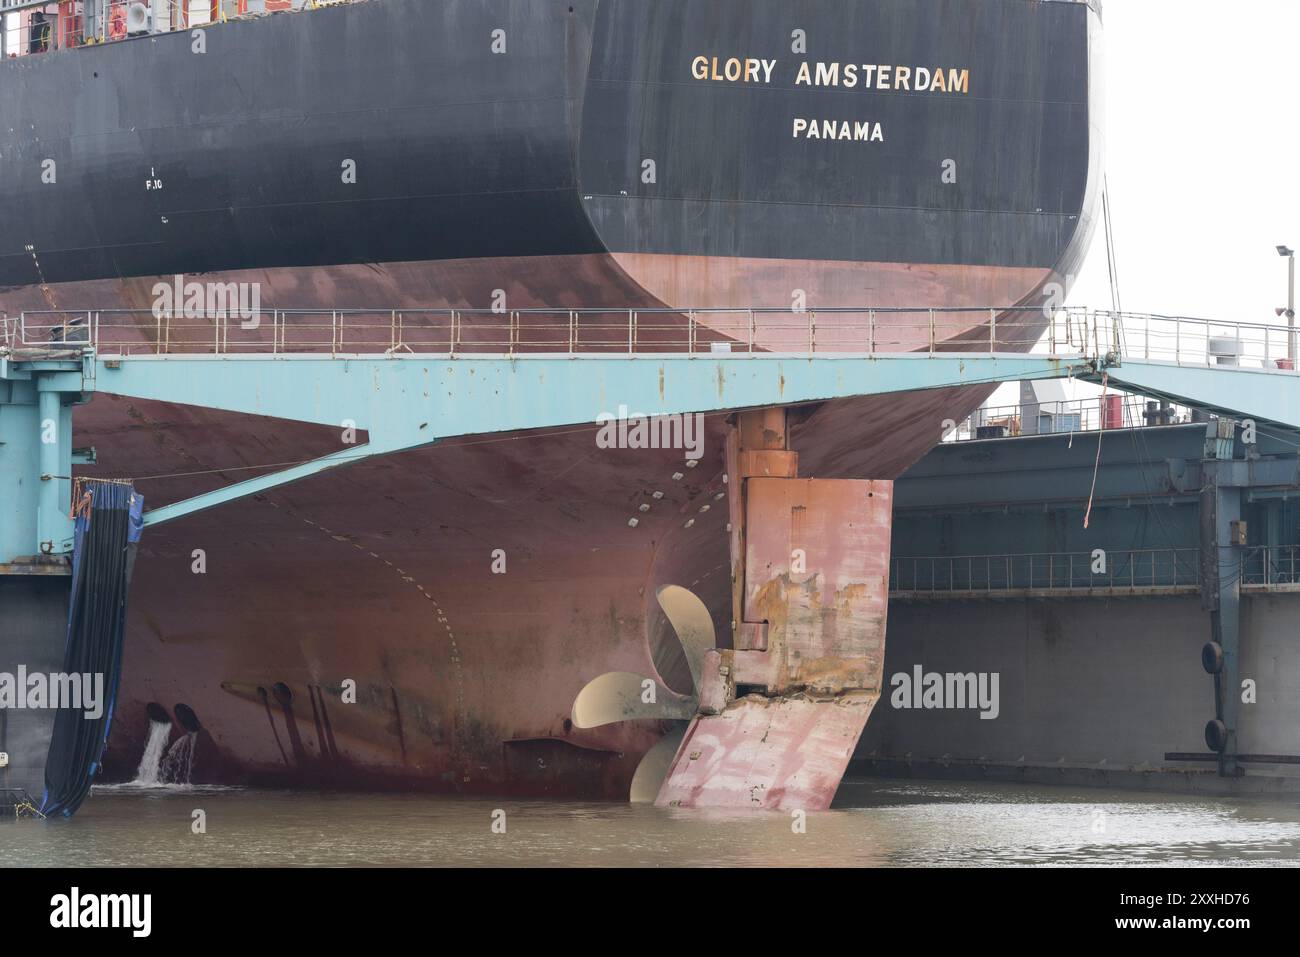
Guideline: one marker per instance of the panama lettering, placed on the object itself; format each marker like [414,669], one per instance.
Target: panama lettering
[952,81]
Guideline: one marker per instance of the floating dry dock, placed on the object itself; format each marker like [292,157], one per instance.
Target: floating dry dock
[787,690]
[1150,649]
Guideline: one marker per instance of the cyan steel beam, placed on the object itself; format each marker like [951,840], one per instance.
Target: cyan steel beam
[413,400]
[1266,395]
[405,401]
[1221,595]
[36,400]
[408,401]
[253,486]
[52,522]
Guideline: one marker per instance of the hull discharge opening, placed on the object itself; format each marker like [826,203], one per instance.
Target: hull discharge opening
[187,718]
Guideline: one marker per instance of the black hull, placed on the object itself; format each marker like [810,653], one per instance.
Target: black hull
[169,161]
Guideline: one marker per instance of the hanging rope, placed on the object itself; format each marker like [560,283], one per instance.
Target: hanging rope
[1096,466]
[1112,262]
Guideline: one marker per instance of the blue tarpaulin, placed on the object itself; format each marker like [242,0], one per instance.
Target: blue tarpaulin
[108,526]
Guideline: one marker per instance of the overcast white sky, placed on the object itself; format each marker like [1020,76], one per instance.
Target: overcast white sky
[1203,138]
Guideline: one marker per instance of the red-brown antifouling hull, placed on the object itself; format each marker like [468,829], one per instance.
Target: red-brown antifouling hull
[382,573]
[607,280]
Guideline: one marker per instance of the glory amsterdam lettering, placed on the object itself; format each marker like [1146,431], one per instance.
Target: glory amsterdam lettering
[950,81]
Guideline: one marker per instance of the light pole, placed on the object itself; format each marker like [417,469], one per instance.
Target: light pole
[1288,254]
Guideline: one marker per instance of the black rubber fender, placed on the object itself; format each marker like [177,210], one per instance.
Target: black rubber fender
[1216,735]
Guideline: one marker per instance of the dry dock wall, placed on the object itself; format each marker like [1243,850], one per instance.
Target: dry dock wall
[33,629]
[1110,684]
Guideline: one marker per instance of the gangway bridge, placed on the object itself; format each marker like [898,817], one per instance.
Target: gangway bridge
[410,378]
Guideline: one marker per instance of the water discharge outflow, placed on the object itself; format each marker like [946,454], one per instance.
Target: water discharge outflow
[151,761]
[162,765]
[178,762]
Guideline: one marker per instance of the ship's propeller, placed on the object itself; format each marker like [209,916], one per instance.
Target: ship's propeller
[654,767]
[622,696]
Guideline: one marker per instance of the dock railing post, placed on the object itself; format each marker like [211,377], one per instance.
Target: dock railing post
[993,332]
[871,332]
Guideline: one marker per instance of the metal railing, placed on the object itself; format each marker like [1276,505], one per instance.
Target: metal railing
[1067,332]
[42,26]
[547,331]
[1115,410]
[1187,341]
[1267,566]
[29,28]
[1060,571]
[1262,568]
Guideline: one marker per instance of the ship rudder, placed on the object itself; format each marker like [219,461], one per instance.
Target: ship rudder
[781,711]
